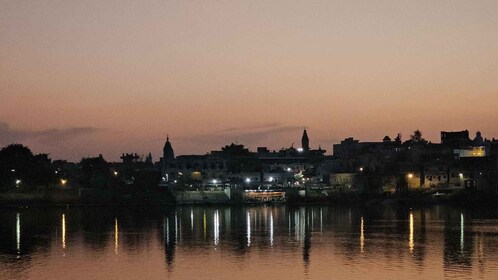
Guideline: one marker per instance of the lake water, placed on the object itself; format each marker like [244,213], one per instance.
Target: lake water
[250,242]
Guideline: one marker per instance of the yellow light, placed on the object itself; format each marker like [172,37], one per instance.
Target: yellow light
[362,235]
[411,243]
[63,182]
[116,173]
[116,236]
[63,231]
[410,175]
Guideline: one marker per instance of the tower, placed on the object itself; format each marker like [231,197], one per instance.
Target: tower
[168,153]
[305,141]
[167,160]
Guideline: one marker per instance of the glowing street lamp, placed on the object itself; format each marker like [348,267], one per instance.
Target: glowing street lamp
[248,180]
[115,173]
[18,182]
[410,175]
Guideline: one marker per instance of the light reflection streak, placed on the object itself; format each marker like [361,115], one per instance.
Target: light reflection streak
[321,220]
[462,233]
[205,225]
[63,231]
[411,243]
[290,224]
[216,227]
[302,224]
[116,236]
[271,228]
[362,235]
[192,219]
[297,224]
[248,229]
[18,232]
[167,231]
[176,226]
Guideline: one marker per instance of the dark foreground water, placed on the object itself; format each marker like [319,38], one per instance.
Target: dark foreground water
[256,242]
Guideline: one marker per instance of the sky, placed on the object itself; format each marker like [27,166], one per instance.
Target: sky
[82,78]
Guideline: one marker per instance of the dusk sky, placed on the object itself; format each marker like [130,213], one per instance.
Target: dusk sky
[82,78]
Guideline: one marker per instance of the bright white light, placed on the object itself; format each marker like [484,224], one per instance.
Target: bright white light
[289,169]
[116,173]
[13,170]
[410,175]
[215,181]
[361,169]
[216,227]
[271,228]
[300,150]
[175,181]
[63,182]
[271,179]
[461,175]
[248,229]
[248,180]
[18,232]
[18,182]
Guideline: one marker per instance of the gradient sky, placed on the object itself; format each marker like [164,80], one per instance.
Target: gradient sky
[79,78]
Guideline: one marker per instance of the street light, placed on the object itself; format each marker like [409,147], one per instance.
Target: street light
[63,182]
[18,182]
[410,175]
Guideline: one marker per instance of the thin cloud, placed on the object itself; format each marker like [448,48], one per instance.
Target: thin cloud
[250,128]
[49,136]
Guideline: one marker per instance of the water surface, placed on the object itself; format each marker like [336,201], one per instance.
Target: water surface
[253,242]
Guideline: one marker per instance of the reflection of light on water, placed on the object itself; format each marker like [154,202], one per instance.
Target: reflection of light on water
[271,228]
[116,236]
[362,235]
[302,224]
[248,229]
[321,220]
[204,224]
[192,219]
[18,232]
[216,227]
[167,231]
[462,242]
[290,224]
[63,231]
[176,226]
[411,243]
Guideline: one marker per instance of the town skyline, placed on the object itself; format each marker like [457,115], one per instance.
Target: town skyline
[328,148]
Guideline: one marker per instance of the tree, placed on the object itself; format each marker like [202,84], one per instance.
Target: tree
[416,138]
[95,172]
[19,167]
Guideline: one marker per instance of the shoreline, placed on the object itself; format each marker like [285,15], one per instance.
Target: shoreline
[472,198]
